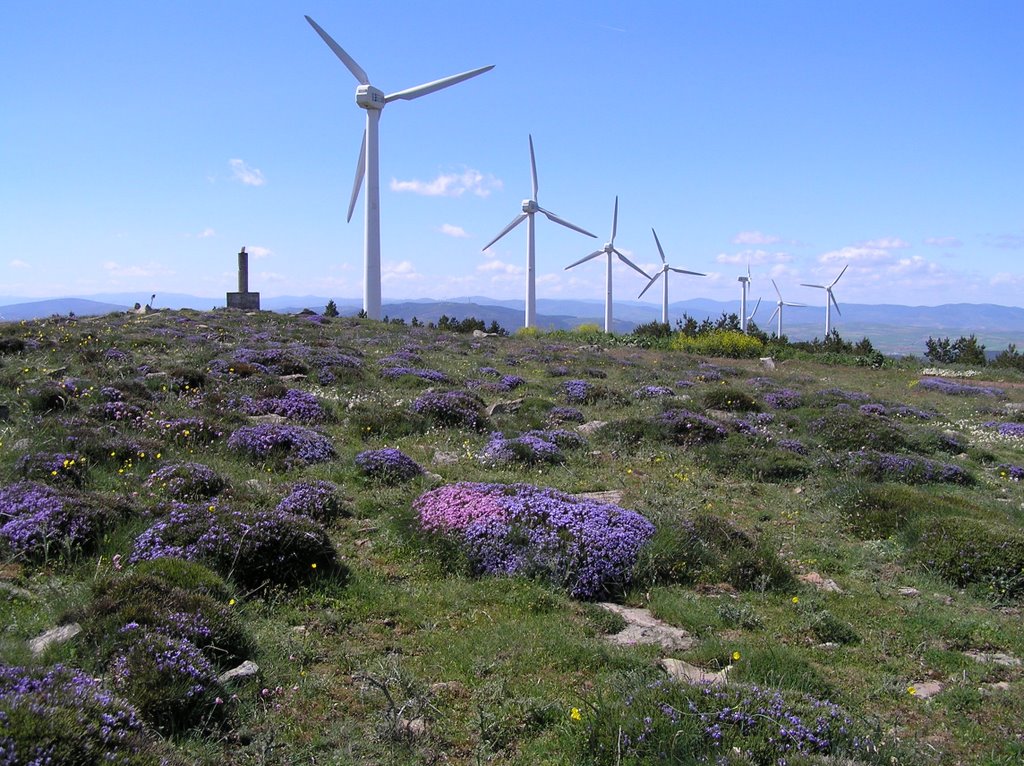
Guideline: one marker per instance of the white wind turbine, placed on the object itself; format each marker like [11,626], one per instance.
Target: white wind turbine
[663,271]
[609,250]
[744,287]
[373,101]
[778,309]
[830,299]
[530,207]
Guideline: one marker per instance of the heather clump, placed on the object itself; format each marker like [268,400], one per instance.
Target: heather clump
[653,392]
[886,466]
[849,429]
[60,715]
[188,431]
[186,481]
[729,399]
[287,444]
[319,500]
[450,408]
[531,448]
[252,547]
[66,469]
[689,428]
[388,465]
[952,388]
[783,399]
[38,522]
[295,405]
[584,546]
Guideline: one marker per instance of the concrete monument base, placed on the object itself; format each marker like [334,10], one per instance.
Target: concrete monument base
[246,301]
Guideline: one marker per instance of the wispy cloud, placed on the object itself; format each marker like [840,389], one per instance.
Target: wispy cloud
[754,257]
[1006,241]
[247,175]
[755,238]
[115,269]
[17,263]
[886,243]
[856,254]
[403,271]
[943,241]
[259,252]
[499,267]
[206,233]
[453,231]
[451,185]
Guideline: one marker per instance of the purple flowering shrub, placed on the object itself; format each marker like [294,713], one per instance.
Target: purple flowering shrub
[60,715]
[420,373]
[168,680]
[952,388]
[186,481]
[653,392]
[677,722]
[783,399]
[689,428]
[37,521]
[830,397]
[968,551]
[911,469]
[189,431]
[565,415]
[316,499]
[387,465]
[450,408]
[580,392]
[67,469]
[1010,472]
[295,405]
[586,547]
[290,445]
[1012,430]
[531,448]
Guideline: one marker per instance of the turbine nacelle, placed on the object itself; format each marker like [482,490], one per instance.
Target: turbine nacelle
[530,206]
[369,97]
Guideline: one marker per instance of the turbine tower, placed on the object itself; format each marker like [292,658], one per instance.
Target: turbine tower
[530,207]
[830,299]
[778,309]
[744,287]
[373,101]
[609,250]
[663,271]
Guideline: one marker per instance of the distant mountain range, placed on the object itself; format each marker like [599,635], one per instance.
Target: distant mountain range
[893,329]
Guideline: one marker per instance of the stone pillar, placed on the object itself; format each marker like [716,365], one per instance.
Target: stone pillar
[243,271]
[243,299]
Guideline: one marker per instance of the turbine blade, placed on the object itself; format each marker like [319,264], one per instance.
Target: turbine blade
[552,217]
[840,275]
[585,259]
[628,262]
[422,90]
[800,305]
[748,271]
[615,220]
[833,299]
[653,280]
[533,169]
[358,182]
[515,222]
[347,60]
[776,289]
[774,313]
[822,287]
[658,241]
[756,307]
[684,271]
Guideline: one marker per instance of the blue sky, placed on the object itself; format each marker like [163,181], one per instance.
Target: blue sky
[141,144]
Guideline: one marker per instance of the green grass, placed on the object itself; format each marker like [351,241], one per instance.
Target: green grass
[492,666]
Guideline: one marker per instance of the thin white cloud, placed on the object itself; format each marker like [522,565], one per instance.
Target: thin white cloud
[17,263]
[403,271]
[943,241]
[886,243]
[451,185]
[151,269]
[245,174]
[500,267]
[453,231]
[754,257]
[206,233]
[861,254]
[259,252]
[1006,241]
[755,238]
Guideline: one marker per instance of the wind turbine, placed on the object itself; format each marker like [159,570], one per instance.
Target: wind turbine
[373,101]
[609,250]
[663,271]
[744,286]
[746,322]
[830,299]
[778,309]
[530,207]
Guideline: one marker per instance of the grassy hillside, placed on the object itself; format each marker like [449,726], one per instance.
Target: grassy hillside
[387,521]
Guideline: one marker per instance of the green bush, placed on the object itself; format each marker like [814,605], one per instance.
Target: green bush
[730,399]
[757,459]
[877,511]
[849,429]
[378,421]
[970,551]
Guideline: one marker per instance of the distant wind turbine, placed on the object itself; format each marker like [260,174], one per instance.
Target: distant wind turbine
[778,309]
[530,207]
[373,101]
[830,299]
[663,271]
[744,287]
[609,250]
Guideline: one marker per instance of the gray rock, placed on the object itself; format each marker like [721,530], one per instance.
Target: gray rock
[589,428]
[15,592]
[684,671]
[642,627]
[767,363]
[294,378]
[995,658]
[269,419]
[613,496]
[57,635]
[247,669]
[413,727]
[909,592]
[500,408]
[445,458]
[926,689]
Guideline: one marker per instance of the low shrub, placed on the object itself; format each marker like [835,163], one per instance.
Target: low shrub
[186,481]
[317,499]
[379,421]
[952,388]
[293,404]
[285,444]
[653,392]
[451,408]
[877,511]
[849,429]
[59,715]
[388,465]
[968,551]
[783,399]
[760,459]
[253,548]
[884,466]
[729,343]
[168,680]
[689,428]
[65,469]
[729,399]
[585,547]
